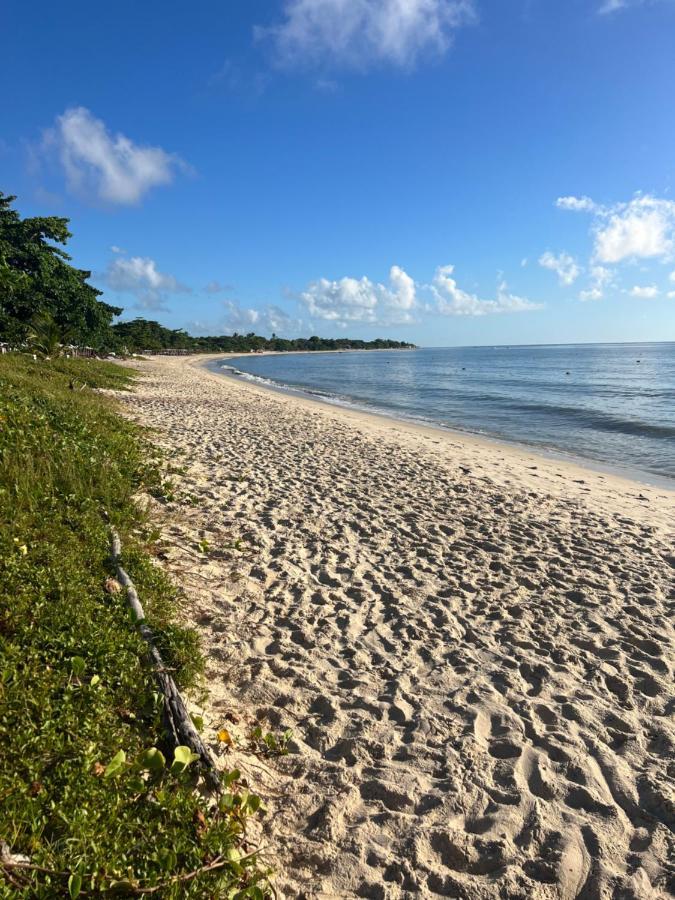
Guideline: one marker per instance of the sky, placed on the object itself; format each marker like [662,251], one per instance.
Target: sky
[446,172]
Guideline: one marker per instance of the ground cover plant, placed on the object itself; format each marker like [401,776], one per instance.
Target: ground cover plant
[92,801]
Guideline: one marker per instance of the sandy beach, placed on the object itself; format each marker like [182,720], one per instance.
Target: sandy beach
[471,644]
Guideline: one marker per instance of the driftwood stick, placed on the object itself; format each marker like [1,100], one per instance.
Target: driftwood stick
[177,719]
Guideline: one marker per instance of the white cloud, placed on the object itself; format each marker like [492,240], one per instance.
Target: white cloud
[672,276]
[576,204]
[642,228]
[267,320]
[610,6]
[451,300]
[593,293]
[563,265]
[102,166]
[361,33]
[140,277]
[601,277]
[116,249]
[362,300]
[644,291]
[402,295]
[671,295]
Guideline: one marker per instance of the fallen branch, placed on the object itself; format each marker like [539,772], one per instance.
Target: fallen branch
[9,864]
[179,725]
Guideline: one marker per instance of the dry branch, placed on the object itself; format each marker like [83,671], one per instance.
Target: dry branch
[178,722]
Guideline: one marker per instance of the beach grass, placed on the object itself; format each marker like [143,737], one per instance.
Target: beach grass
[84,802]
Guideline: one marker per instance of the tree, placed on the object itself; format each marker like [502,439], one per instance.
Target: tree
[36,280]
[45,336]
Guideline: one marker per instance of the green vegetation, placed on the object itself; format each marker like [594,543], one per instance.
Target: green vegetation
[141,334]
[39,289]
[90,795]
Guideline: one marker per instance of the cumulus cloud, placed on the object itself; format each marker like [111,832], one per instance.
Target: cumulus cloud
[360,33]
[266,320]
[140,277]
[641,228]
[563,265]
[592,293]
[601,277]
[576,204]
[644,291]
[451,300]
[103,166]
[362,300]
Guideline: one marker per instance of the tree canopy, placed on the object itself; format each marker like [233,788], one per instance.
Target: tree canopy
[37,281]
[140,335]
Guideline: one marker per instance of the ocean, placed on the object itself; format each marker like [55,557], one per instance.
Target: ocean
[611,404]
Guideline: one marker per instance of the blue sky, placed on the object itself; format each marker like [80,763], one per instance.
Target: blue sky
[442,171]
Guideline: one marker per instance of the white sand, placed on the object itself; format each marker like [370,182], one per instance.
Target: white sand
[471,644]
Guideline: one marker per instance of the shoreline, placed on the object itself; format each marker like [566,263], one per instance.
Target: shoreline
[470,644]
[625,473]
[533,465]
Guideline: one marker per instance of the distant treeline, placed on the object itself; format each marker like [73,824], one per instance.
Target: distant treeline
[46,302]
[141,334]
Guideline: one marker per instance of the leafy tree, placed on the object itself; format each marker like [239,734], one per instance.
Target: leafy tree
[36,280]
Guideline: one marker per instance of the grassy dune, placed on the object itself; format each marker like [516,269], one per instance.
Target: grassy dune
[74,686]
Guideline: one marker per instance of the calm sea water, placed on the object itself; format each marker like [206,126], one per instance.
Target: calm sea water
[611,403]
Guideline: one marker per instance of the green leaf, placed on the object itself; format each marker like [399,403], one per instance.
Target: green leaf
[115,765]
[227,802]
[231,777]
[136,784]
[182,758]
[198,722]
[253,803]
[77,666]
[74,885]
[167,859]
[122,885]
[153,760]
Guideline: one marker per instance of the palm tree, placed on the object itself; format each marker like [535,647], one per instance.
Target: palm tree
[46,336]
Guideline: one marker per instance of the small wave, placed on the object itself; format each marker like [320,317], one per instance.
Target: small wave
[597,419]
[280,385]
